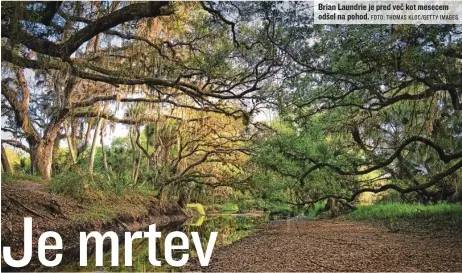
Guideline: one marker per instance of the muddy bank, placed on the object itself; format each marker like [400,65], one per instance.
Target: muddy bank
[70,217]
[328,245]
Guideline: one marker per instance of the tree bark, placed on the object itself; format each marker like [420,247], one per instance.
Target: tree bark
[56,165]
[93,146]
[41,158]
[136,157]
[137,168]
[5,162]
[70,144]
[83,142]
[103,150]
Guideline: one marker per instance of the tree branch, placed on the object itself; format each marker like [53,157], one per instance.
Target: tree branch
[40,45]
[17,144]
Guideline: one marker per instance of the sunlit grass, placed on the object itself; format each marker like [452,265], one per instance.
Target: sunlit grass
[20,177]
[403,211]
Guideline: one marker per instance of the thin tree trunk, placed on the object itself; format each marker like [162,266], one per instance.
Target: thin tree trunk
[32,159]
[136,158]
[93,146]
[103,150]
[69,144]
[84,144]
[133,145]
[148,159]
[6,167]
[135,151]
[138,164]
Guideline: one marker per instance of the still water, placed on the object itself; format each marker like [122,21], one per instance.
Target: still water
[230,229]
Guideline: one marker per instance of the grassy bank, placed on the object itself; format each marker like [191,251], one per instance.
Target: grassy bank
[95,207]
[396,216]
[403,210]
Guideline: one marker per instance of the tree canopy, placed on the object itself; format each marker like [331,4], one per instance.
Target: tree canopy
[357,109]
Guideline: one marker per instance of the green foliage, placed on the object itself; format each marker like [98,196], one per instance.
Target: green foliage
[87,186]
[250,204]
[60,160]
[16,159]
[316,209]
[391,197]
[284,161]
[244,201]
[76,186]
[347,97]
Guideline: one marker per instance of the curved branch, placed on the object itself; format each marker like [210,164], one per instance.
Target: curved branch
[445,157]
[104,23]
[431,182]
[41,63]
[222,18]
[17,144]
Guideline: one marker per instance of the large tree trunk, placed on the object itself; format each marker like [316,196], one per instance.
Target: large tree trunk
[5,162]
[40,148]
[41,158]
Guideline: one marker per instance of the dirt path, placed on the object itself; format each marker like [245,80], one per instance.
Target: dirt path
[338,246]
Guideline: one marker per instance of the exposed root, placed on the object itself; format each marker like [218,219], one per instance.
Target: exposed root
[28,209]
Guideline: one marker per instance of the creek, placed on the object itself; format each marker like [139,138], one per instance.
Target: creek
[230,228]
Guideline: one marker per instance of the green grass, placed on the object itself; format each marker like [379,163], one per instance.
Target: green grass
[20,176]
[407,211]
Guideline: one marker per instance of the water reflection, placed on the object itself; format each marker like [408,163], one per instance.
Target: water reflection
[229,228]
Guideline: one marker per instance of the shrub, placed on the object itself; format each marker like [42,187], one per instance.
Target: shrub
[70,184]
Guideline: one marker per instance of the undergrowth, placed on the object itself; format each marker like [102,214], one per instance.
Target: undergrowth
[103,196]
[89,187]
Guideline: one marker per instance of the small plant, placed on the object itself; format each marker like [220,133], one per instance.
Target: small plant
[230,208]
